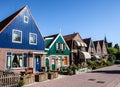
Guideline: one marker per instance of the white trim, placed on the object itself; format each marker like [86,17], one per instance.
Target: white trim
[46,48]
[12,68]
[65,42]
[56,39]
[36,38]
[25,18]
[48,38]
[13,36]
[41,52]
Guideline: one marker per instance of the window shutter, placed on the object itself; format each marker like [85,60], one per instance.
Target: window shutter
[57,47]
[62,48]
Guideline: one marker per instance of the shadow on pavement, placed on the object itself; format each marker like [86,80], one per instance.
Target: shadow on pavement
[107,71]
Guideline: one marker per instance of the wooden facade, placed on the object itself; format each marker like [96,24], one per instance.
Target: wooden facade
[21,43]
[57,51]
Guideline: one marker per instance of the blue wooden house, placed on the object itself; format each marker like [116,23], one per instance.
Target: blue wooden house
[57,52]
[21,43]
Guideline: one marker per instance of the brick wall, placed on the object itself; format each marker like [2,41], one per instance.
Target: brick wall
[3,52]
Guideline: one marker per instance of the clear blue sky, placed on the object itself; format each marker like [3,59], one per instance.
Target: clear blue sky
[91,18]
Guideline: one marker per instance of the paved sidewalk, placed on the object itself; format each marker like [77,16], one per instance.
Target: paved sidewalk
[104,77]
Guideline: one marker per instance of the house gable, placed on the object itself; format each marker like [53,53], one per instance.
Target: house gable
[91,48]
[17,23]
[52,47]
[98,48]
[78,37]
[104,49]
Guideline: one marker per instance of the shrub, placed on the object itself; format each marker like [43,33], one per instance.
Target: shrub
[112,58]
[21,83]
[69,71]
[108,63]
[104,61]
[74,67]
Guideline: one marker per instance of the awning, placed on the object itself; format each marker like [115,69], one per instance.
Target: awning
[85,55]
[81,43]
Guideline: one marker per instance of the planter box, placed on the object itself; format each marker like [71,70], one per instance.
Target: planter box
[41,77]
[30,78]
[50,76]
[55,74]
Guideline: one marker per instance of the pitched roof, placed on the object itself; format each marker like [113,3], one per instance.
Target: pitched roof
[70,36]
[6,21]
[95,44]
[101,43]
[87,41]
[54,38]
[51,36]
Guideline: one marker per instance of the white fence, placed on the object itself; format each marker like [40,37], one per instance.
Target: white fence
[9,80]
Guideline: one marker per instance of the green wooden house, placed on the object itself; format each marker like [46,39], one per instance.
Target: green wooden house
[57,52]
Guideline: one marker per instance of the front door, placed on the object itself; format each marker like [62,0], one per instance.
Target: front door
[53,64]
[47,62]
[38,65]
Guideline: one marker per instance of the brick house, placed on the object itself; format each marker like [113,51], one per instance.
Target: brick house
[77,47]
[98,49]
[104,52]
[90,46]
[57,51]
[21,43]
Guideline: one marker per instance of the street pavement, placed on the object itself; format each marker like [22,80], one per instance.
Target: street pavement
[104,77]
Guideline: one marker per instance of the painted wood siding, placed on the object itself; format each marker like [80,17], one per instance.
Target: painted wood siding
[26,28]
[47,42]
[53,50]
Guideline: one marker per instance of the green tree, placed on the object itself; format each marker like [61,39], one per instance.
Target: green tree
[117,47]
[112,50]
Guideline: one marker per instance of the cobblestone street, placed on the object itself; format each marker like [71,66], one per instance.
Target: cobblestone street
[104,77]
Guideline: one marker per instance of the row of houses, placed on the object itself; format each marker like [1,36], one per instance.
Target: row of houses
[23,46]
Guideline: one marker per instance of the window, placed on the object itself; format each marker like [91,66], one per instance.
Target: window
[25,19]
[59,61]
[65,60]
[57,46]
[33,38]
[62,47]
[17,36]
[17,60]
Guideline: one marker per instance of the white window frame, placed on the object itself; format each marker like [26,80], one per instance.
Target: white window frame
[36,38]
[25,20]
[13,36]
[11,60]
